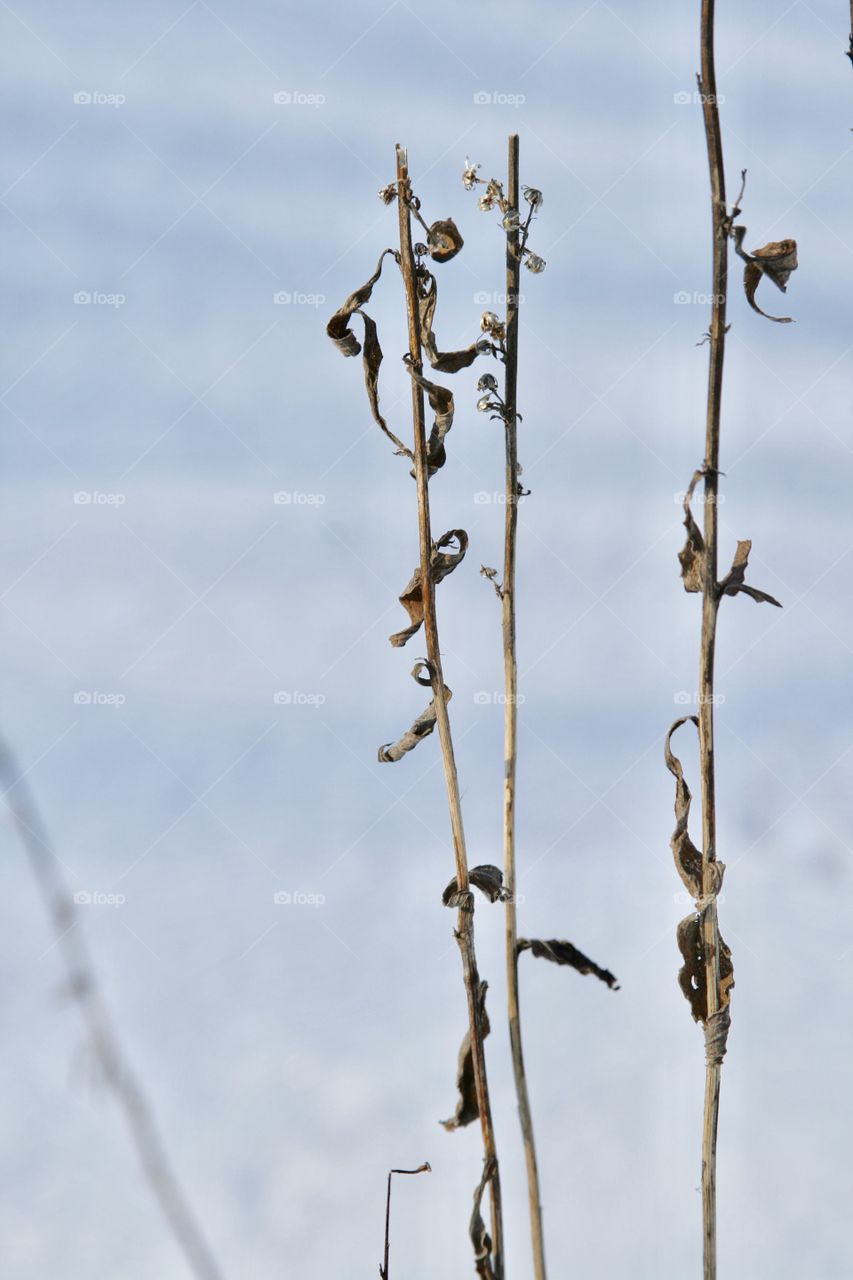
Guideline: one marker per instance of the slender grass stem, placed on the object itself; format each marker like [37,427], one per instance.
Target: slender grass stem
[710,599]
[513,272]
[465,919]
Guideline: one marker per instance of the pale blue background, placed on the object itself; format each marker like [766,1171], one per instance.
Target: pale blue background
[294,1053]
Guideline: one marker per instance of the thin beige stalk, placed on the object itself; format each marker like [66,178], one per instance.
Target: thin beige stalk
[513,271]
[721,225]
[465,919]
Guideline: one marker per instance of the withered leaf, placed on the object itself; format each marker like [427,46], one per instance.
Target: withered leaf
[441,564]
[442,361]
[441,403]
[692,555]
[444,240]
[467,1107]
[775,260]
[688,859]
[487,878]
[480,1238]
[345,340]
[422,728]
[733,581]
[691,976]
[566,953]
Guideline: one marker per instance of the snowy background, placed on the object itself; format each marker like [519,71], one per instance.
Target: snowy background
[294,1053]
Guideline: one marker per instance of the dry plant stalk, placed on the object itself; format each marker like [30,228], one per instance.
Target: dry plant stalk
[487,1266]
[707,975]
[83,987]
[422,1168]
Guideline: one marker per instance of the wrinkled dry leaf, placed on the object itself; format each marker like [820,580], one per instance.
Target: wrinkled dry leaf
[692,555]
[480,1238]
[467,1107]
[441,403]
[444,240]
[492,576]
[345,340]
[441,564]
[566,953]
[423,726]
[487,878]
[733,581]
[441,361]
[688,859]
[775,260]
[691,976]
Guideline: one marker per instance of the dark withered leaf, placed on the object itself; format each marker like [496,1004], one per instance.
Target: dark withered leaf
[442,563]
[691,976]
[441,403]
[692,555]
[734,579]
[688,859]
[480,1238]
[566,953]
[775,260]
[467,1107]
[422,728]
[487,878]
[444,240]
[345,340]
[441,361]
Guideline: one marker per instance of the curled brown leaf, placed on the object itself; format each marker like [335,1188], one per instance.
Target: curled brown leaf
[692,555]
[422,727]
[467,1107]
[441,361]
[688,859]
[562,952]
[691,976]
[734,579]
[441,564]
[487,878]
[480,1238]
[444,240]
[775,260]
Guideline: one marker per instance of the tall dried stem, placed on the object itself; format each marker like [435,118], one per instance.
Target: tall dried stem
[721,226]
[513,272]
[465,919]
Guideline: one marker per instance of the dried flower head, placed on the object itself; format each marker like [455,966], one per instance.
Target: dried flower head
[444,240]
[486,203]
[469,175]
[489,321]
[421,249]
[484,404]
[483,346]
[534,197]
[510,220]
[488,382]
[388,194]
[534,263]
